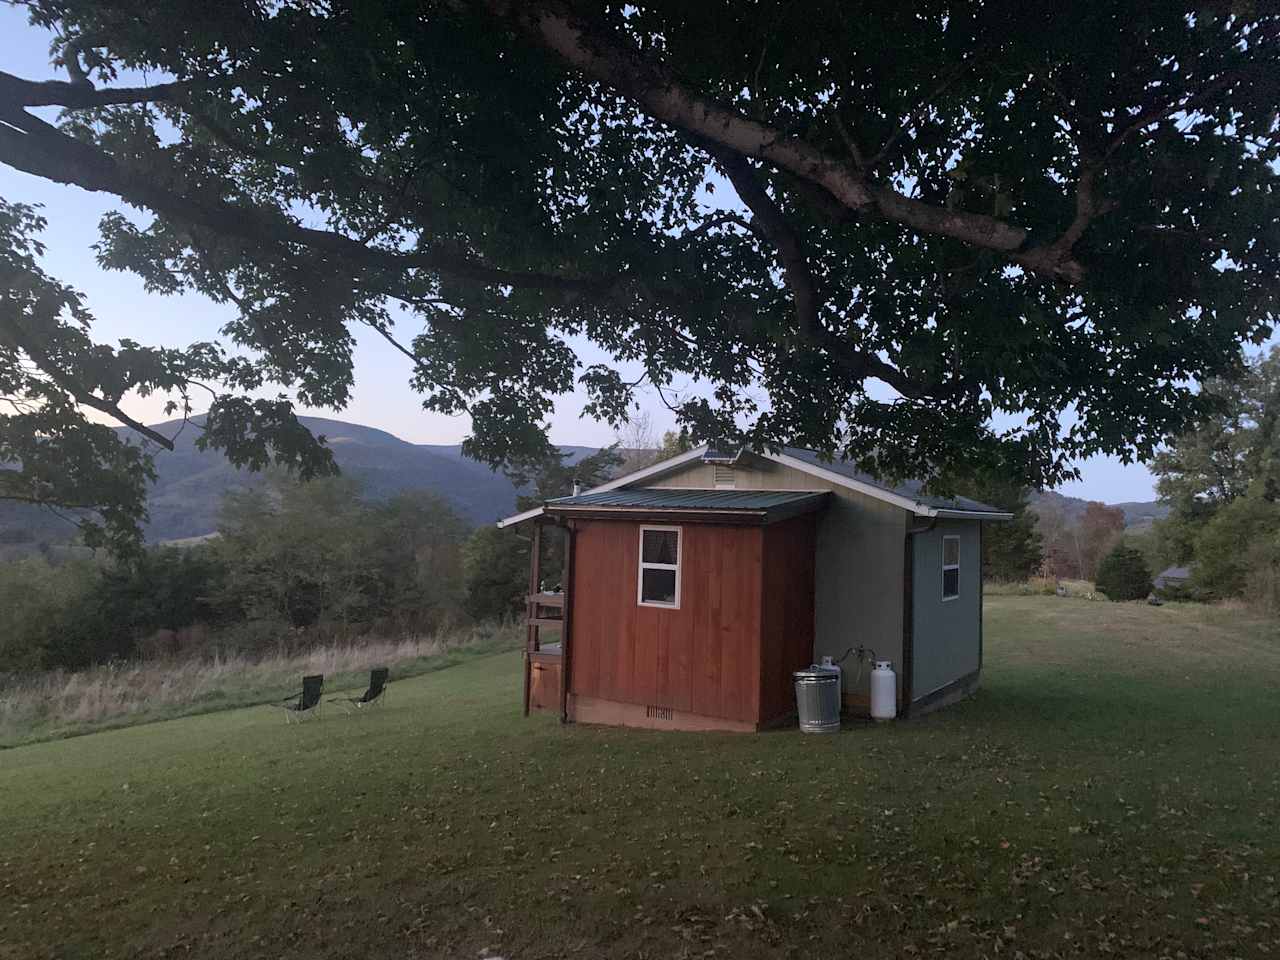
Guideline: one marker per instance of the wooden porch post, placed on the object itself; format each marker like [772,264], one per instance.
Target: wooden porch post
[566,628]
[531,643]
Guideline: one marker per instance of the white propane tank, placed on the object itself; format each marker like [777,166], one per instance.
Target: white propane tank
[829,663]
[884,691]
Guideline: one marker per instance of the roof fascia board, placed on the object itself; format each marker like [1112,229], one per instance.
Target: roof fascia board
[946,514]
[888,496]
[732,515]
[653,470]
[520,517]
[665,514]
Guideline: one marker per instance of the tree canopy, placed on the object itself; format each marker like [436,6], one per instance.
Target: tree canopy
[869,230]
[1233,452]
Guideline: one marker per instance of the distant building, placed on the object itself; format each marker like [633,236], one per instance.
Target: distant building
[1173,577]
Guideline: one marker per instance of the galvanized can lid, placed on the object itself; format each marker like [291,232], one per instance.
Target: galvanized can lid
[816,675]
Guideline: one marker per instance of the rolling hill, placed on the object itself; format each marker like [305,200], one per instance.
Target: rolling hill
[188,491]
[190,483]
[1137,514]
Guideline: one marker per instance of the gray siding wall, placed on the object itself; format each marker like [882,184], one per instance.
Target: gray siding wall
[946,634]
[859,564]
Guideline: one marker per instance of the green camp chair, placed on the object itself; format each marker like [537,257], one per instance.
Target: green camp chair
[374,696]
[305,704]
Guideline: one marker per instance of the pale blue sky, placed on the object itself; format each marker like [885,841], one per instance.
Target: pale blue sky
[381,397]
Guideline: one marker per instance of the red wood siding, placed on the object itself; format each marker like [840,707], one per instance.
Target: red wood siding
[787,612]
[703,658]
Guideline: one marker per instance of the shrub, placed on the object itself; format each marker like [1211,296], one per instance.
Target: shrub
[1123,574]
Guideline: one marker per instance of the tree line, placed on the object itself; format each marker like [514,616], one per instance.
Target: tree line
[300,563]
[292,565]
[1222,483]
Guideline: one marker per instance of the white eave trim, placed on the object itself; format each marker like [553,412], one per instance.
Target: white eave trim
[943,513]
[653,470]
[871,490]
[880,493]
[520,517]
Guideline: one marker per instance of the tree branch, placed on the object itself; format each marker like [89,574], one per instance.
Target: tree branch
[30,144]
[717,221]
[1159,112]
[771,224]
[1088,206]
[60,93]
[598,55]
[78,391]
[945,84]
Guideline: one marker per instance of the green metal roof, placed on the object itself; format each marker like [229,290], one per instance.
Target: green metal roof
[758,505]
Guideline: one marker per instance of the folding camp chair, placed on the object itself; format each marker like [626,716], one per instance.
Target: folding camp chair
[305,704]
[375,695]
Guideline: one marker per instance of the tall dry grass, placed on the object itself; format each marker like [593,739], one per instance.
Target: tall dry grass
[59,703]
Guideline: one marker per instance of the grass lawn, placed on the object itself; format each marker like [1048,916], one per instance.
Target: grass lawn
[56,705]
[1114,789]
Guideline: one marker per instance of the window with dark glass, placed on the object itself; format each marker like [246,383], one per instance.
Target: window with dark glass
[950,568]
[659,584]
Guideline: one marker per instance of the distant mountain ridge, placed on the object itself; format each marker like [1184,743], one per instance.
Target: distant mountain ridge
[1137,513]
[190,483]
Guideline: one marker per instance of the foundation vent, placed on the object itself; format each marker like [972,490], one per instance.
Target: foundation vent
[653,712]
[723,477]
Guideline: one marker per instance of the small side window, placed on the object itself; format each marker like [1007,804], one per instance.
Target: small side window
[950,568]
[659,580]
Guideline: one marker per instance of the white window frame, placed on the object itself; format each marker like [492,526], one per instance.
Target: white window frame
[950,566]
[640,601]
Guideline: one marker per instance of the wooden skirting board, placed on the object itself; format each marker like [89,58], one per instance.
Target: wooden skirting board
[617,714]
[953,692]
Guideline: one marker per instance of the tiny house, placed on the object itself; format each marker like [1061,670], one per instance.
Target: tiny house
[692,589]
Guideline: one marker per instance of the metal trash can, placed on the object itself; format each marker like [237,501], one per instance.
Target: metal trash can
[818,699]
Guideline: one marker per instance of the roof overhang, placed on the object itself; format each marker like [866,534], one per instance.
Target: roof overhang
[871,490]
[944,514]
[691,506]
[704,453]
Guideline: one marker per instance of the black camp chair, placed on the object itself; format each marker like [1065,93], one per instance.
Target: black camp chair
[307,703]
[375,695]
